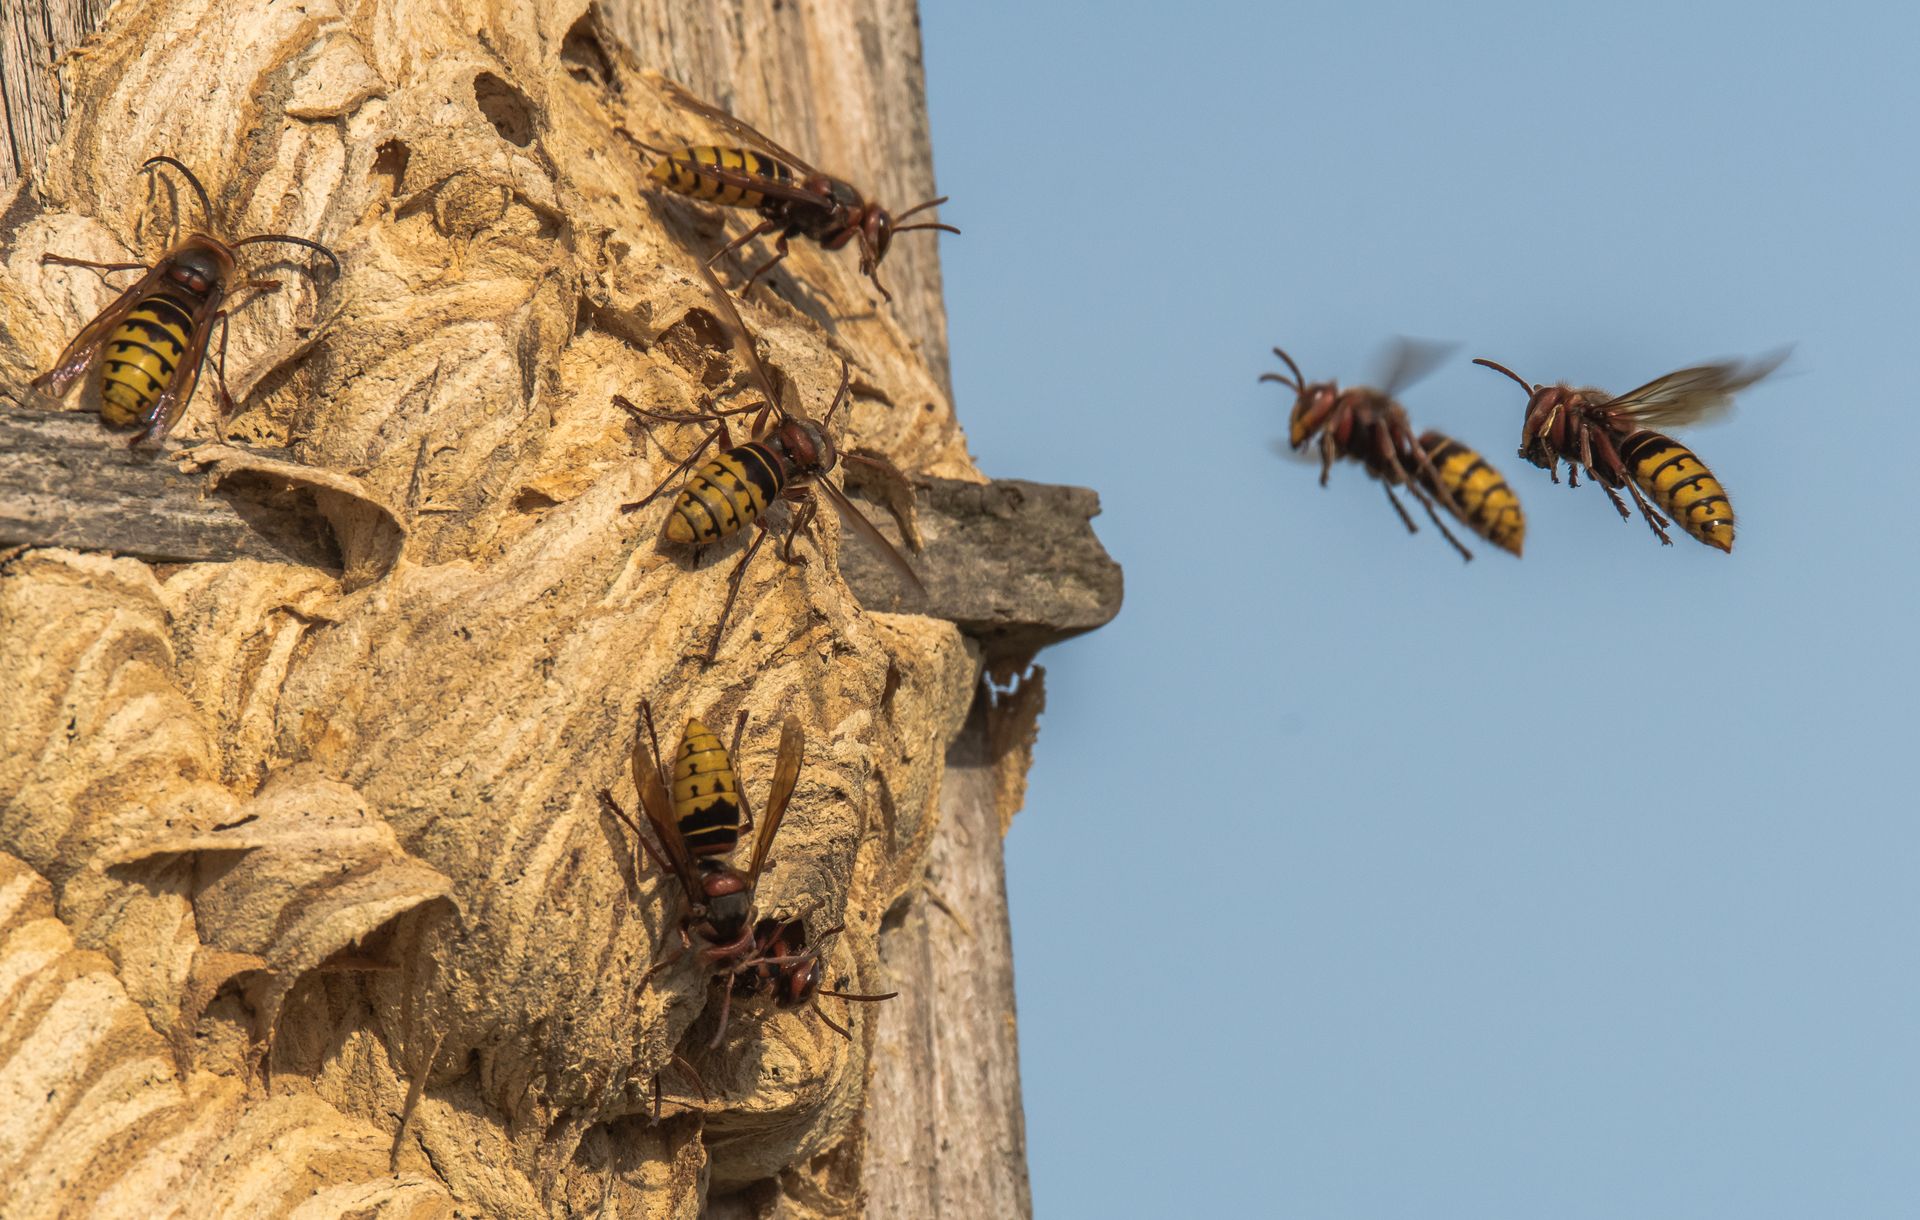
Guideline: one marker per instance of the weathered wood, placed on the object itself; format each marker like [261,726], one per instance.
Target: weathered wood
[946,1137]
[1014,564]
[67,481]
[34,35]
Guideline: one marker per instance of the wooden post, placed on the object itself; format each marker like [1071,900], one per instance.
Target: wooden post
[35,35]
[946,1137]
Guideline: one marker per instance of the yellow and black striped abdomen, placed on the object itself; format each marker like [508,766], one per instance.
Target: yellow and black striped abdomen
[1681,485]
[1487,504]
[140,357]
[706,796]
[726,495]
[681,172]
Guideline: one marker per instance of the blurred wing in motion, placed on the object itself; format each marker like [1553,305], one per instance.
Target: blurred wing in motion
[1696,395]
[1406,361]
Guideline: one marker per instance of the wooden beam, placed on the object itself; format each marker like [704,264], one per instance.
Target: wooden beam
[67,481]
[1015,564]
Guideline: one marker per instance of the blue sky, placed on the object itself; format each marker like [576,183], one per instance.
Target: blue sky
[1358,882]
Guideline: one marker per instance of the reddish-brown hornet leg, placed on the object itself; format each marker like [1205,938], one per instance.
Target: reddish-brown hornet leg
[1413,489]
[1654,520]
[1395,501]
[779,252]
[809,505]
[733,590]
[764,226]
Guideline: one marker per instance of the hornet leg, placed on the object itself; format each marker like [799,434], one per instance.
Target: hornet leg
[220,378]
[61,260]
[612,806]
[733,591]
[1610,458]
[1618,503]
[260,288]
[1438,524]
[1413,489]
[870,267]
[1425,465]
[726,1006]
[802,517]
[779,252]
[1654,520]
[672,955]
[1398,508]
[693,1074]
[719,433]
[763,227]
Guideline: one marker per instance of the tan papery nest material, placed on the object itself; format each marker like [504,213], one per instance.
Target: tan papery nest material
[284,844]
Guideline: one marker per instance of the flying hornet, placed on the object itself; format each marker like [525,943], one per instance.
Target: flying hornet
[698,815]
[142,356]
[786,966]
[1613,441]
[789,461]
[790,195]
[1368,426]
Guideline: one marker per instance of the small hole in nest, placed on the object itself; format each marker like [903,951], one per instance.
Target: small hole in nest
[585,58]
[390,162]
[699,344]
[895,917]
[505,107]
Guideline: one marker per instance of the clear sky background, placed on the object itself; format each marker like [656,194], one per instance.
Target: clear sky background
[1358,882]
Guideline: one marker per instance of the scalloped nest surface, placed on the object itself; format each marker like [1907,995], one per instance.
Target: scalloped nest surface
[289,857]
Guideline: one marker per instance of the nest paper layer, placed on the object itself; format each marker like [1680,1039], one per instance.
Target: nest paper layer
[285,845]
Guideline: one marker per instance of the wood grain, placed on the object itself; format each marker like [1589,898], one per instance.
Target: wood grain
[946,1136]
[66,481]
[34,36]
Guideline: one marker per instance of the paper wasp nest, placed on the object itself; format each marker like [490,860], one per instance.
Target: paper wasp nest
[278,843]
